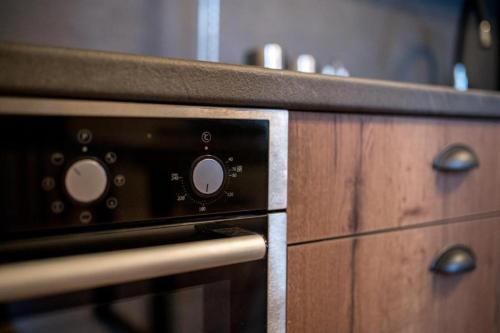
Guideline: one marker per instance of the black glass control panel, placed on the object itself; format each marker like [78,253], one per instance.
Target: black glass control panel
[59,172]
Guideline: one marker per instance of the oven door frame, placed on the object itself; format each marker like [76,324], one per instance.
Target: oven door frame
[46,277]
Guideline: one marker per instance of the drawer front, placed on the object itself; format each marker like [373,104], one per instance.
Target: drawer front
[355,173]
[382,282]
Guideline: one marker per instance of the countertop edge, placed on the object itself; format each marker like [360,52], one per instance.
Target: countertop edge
[70,73]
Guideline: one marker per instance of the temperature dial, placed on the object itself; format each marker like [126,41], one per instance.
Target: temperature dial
[208,176]
[86,180]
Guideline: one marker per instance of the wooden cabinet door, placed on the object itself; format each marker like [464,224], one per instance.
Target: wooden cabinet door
[382,283]
[358,173]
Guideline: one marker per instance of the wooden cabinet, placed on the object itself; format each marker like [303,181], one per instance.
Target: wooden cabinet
[382,283]
[358,173]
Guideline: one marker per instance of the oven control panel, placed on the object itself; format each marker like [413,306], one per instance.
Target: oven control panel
[64,171]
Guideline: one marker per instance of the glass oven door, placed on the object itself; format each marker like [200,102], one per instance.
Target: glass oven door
[215,282]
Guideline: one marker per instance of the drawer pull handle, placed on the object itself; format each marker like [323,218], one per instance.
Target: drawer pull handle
[454,260]
[454,158]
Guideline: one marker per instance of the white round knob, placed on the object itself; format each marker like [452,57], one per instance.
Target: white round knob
[208,176]
[86,180]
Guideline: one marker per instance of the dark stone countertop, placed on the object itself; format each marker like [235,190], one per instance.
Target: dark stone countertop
[68,73]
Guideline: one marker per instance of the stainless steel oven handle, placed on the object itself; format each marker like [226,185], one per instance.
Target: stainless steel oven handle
[66,274]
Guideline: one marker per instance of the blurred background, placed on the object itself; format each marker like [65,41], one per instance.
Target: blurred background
[411,41]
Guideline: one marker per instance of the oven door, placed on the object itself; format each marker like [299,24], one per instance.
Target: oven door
[215,282]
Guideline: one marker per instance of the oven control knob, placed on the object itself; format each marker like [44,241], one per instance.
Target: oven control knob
[86,180]
[207,176]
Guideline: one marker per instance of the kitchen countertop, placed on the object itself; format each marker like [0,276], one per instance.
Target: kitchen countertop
[69,73]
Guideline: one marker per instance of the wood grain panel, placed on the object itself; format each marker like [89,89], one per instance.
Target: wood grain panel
[381,283]
[323,168]
[357,173]
[320,287]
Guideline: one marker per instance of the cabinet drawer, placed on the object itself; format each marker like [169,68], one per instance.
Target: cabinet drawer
[382,282]
[354,173]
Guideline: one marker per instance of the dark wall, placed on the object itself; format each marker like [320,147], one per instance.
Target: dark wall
[151,27]
[385,39]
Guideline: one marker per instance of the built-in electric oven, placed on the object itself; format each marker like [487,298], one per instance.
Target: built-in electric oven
[128,217]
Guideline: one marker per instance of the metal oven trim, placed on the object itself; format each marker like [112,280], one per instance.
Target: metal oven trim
[278,125]
[276,273]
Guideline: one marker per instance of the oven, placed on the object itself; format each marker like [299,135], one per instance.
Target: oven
[130,217]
